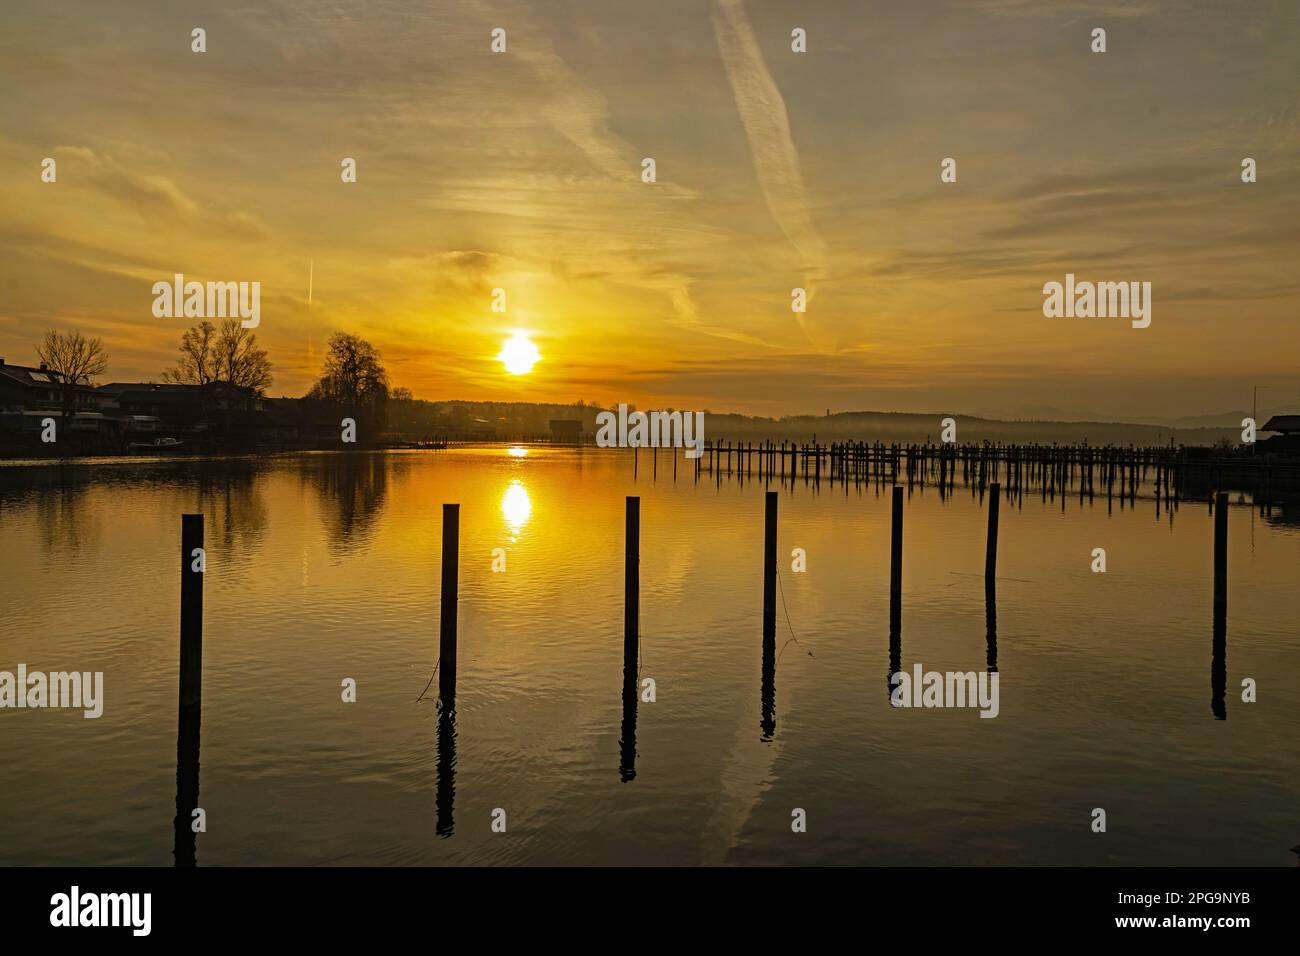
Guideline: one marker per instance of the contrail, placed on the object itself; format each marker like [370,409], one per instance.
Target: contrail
[767,127]
[311,274]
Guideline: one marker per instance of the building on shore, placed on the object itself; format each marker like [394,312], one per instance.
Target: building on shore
[1286,441]
[32,395]
[42,389]
[566,431]
[115,417]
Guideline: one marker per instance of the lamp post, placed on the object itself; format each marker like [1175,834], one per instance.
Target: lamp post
[1254,404]
[1254,411]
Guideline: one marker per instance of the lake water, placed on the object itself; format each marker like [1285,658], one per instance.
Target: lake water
[322,567]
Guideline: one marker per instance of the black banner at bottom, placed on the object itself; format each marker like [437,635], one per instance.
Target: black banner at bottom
[331,905]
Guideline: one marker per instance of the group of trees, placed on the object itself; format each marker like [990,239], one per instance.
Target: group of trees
[228,354]
[353,377]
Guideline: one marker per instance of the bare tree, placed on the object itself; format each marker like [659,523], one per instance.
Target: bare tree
[75,360]
[353,376]
[197,364]
[240,362]
[229,354]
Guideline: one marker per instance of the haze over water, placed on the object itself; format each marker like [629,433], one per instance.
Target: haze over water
[322,567]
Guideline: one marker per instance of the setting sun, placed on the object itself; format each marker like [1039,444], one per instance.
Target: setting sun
[519,354]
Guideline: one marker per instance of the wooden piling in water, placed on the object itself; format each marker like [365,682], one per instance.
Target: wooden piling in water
[192,563]
[767,687]
[1220,555]
[1219,628]
[632,583]
[769,564]
[896,559]
[991,551]
[450,587]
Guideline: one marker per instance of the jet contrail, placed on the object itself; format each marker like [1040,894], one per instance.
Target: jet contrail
[767,127]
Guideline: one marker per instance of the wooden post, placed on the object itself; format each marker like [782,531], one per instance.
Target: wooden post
[450,586]
[1221,555]
[991,553]
[632,583]
[769,564]
[192,563]
[767,689]
[896,559]
[1219,643]
[631,637]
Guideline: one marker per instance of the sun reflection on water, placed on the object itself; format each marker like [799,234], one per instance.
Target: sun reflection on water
[516,506]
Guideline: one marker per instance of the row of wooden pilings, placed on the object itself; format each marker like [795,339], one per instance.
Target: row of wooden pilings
[1052,467]
[193,563]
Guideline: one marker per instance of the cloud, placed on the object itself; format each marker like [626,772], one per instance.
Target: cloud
[767,127]
[153,193]
[1039,8]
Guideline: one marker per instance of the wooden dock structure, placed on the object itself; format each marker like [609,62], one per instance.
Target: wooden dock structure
[1169,474]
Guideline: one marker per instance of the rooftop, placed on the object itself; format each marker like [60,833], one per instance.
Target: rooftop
[26,375]
[1286,424]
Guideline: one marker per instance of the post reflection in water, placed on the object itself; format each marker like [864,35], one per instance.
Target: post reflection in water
[627,738]
[991,625]
[768,695]
[187,786]
[895,648]
[1219,667]
[445,768]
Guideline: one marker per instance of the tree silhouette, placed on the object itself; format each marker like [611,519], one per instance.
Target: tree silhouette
[75,360]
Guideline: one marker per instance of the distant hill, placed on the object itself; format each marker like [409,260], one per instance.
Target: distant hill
[524,420]
[905,427]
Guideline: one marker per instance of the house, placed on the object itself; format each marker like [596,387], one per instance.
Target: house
[23,388]
[29,397]
[480,429]
[137,424]
[1286,424]
[1287,441]
[178,407]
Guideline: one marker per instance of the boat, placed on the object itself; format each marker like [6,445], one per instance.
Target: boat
[421,443]
[156,446]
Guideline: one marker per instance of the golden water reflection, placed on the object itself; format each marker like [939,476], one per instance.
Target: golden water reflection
[516,506]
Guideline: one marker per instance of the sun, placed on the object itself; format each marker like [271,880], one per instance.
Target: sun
[519,354]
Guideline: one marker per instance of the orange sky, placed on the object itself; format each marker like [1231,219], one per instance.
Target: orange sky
[775,169]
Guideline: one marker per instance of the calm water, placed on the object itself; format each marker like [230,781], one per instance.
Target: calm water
[324,567]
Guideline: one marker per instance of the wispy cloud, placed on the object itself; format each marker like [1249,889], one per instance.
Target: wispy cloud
[767,128]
